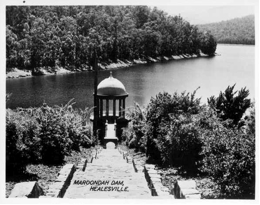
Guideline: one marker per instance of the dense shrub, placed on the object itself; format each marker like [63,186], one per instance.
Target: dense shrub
[45,134]
[22,141]
[161,132]
[181,146]
[54,135]
[228,156]
[134,135]
[229,105]
[179,132]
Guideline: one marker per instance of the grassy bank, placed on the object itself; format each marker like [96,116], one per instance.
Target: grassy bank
[45,175]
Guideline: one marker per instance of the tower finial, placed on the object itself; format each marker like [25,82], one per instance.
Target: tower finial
[111,76]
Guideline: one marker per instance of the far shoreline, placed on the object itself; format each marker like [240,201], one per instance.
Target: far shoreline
[235,44]
[18,74]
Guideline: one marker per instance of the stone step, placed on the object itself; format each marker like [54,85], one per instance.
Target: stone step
[109,176]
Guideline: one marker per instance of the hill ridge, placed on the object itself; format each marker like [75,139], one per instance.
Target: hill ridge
[234,31]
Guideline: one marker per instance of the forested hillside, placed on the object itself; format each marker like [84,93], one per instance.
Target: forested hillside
[69,36]
[235,31]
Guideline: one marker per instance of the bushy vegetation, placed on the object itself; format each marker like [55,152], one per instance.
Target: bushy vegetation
[67,36]
[177,131]
[134,134]
[235,31]
[163,136]
[228,156]
[173,130]
[228,105]
[44,135]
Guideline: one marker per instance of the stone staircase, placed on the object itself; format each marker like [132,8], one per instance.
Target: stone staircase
[108,176]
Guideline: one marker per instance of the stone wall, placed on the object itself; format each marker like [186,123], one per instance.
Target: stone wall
[26,190]
[183,189]
[59,187]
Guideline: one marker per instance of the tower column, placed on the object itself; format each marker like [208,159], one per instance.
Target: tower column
[123,107]
[114,107]
[101,107]
[98,107]
[120,104]
[107,107]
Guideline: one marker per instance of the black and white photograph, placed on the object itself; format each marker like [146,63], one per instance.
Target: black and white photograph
[143,102]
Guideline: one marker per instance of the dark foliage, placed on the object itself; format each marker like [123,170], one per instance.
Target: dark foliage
[134,135]
[44,135]
[208,44]
[164,114]
[228,156]
[67,36]
[229,105]
[176,131]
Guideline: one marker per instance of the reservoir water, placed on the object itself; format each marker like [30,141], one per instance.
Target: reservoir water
[235,65]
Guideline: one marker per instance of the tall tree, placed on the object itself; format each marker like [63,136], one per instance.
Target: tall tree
[67,36]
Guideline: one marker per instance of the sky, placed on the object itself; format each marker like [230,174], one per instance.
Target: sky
[207,14]
[194,11]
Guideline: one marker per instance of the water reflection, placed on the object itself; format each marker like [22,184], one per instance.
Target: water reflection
[212,75]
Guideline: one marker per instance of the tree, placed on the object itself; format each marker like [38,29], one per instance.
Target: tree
[39,36]
[12,48]
[229,106]
[208,44]
[234,31]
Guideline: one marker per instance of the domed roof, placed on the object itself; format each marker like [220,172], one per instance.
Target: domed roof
[111,87]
